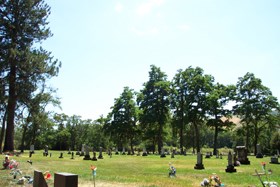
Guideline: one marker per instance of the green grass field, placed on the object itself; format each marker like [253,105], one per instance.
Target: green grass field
[150,171]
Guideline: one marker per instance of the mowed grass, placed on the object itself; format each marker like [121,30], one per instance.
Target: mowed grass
[149,171]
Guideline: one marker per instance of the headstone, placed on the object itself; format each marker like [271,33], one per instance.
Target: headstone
[100,156]
[173,153]
[274,160]
[46,151]
[39,180]
[65,180]
[144,152]
[87,156]
[123,151]
[199,164]
[230,167]
[116,151]
[69,151]
[72,155]
[242,155]
[32,149]
[83,150]
[61,155]
[162,154]
[208,155]
[50,154]
[217,154]
[78,153]
[221,155]
[259,151]
[94,156]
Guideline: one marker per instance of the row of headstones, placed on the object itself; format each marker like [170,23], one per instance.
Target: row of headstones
[241,152]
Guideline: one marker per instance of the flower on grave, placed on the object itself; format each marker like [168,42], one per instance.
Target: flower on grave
[93,169]
[263,166]
[47,175]
[214,180]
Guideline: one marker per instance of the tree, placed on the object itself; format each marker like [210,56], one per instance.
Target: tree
[23,25]
[179,104]
[154,103]
[199,87]
[218,99]
[255,104]
[123,118]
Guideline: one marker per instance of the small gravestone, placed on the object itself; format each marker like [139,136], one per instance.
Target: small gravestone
[221,155]
[208,155]
[100,156]
[274,160]
[162,154]
[72,155]
[69,151]
[50,154]
[78,153]
[83,150]
[39,180]
[144,152]
[61,155]
[259,151]
[87,156]
[242,155]
[94,156]
[230,167]
[199,164]
[46,151]
[173,153]
[65,180]
[32,149]
[123,151]
[116,151]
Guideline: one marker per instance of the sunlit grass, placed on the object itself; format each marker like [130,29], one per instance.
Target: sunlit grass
[127,170]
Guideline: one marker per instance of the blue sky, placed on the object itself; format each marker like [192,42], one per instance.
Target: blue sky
[105,45]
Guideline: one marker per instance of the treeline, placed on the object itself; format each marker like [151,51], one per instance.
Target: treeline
[188,112]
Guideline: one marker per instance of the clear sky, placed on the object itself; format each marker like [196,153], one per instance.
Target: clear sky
[105,45]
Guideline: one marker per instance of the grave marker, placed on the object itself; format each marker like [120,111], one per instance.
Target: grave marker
[230,167]
[100,156]
[242,155]
[87,156]
[199,164]
[259,151]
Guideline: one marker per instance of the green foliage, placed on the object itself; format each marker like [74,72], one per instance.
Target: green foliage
[24,68]
[154,102]
[275,141]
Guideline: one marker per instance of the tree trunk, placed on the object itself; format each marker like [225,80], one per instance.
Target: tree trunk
[131,147]
[197,137]
[256,138]
[23,138]
[3,130]
[247,137]
[159,138]
[215,140]
[9,138]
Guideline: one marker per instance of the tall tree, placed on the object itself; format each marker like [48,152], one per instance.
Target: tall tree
[123,118]
[23,25]
[217,100]
[255,103]
[154,102]
[199,86]
[179,104]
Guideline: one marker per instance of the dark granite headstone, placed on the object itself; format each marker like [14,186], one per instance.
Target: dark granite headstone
[65,180]
[242,155]
[39,180]
[230,167]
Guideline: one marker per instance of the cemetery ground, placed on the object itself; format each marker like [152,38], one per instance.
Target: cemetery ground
[142,171]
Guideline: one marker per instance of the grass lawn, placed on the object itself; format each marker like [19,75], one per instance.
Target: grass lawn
[149,171]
